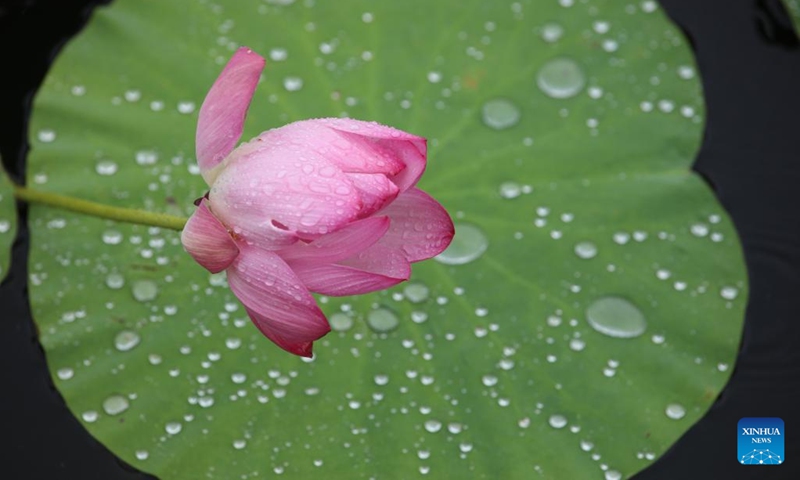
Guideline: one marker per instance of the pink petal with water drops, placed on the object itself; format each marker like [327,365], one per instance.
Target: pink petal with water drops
[390,142]
[376,268]
[221,118]
[375,189]
[333,247]
[420,226]
[271,194]
[208,241]
[276,300]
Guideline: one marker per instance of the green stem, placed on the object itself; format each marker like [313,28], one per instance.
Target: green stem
[94,209]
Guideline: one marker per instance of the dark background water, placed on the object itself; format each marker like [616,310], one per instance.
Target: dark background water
[749,62]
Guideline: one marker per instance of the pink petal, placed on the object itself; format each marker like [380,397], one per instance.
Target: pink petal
[208,241]
[277,301]
[221,119]
[376,191]
[410,149]
[377,268]
[333,247]
[420,226]
[271,193]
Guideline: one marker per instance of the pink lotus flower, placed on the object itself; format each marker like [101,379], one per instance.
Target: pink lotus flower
[326,206]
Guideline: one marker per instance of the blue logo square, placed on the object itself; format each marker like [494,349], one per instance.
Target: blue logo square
[760,441]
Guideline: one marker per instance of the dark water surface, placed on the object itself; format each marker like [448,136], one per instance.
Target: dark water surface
[749,61]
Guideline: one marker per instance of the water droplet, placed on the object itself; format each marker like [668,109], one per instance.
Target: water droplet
[561,78]
[89,416]
[613,475]
[616,317]
[434,77]
[186,107]
[112,237]
[382,320]
[586,445]
[278,54]
[106,167]
[699,229]
[552,32]
[489,380]
[46,135]
[173,428]
[115,281]
[675,411]
[65,373]
[586,250]
[142,454]
[433,426]
[292,84]
[510,190]
[115,404]
[416,292]
[465,447]
[500,114]
[239,444]
[576,344]
[341,322]
[557,421]
[468,244]
[729,293]
[126,340]
[144,290]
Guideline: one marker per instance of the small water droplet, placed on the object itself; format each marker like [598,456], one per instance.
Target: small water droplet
[115,281]
[433,426]
[489,380]
[173,428]
[552,32]
[557,421]
[278,54]
[675,411]
[561,78]
[416,292]
[468,244]
[115,404]
[239,444]
[510,190]
[112,237]
[126,340]
[586,250]
[292,84]
[382,320]
[500,114]
[46,135]
[729,293]
[142,454]
[613,475]
[616,317]
[106,167]
[144,290]
[65,373]
[341,322]
[89,416]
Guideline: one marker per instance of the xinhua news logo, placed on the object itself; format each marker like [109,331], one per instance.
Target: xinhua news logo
[760,441]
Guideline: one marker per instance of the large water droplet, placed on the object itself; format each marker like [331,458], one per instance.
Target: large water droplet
[115,404]
[126,340]
[468,244]
[675,411]
[382,320]
[144,290]
[561,78]
[341,322]
[500,114]
[616,317]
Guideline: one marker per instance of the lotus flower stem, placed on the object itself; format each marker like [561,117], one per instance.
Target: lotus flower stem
[94,209]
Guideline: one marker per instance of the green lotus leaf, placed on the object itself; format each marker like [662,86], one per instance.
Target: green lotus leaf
[587,314]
